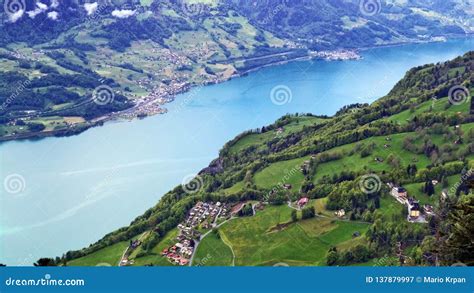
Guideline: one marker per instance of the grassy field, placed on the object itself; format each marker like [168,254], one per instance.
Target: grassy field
[415,190]
[109,256]
[436,106]
[234,188]
[213,251]
[258,241]
[281,172]
[154,257]
[260,139]
[278,171]
[390,207]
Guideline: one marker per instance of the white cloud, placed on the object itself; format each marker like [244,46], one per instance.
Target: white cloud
[40,7]
[16,16]
[123,13]
[34,13]
[54,4]
[53,15]
[91,8]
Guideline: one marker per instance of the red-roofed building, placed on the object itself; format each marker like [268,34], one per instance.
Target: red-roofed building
[302,201]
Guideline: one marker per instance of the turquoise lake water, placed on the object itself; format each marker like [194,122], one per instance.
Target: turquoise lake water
[77,189]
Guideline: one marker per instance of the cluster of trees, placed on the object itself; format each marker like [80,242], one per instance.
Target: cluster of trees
[278,198]
[429,188]
[42,93]
[346,195]
[356,254]
[246,210]
[156,29]
[308,212]
[384,235]
[259,62]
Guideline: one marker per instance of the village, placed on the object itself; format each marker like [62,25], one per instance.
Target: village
[336,55]
[178,82]
[202,217]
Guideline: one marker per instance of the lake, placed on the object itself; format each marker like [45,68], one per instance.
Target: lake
[74,190]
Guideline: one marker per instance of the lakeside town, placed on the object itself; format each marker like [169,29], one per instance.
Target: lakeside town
[151,104]
[158,91]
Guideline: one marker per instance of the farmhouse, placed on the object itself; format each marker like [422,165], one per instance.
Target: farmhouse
[340,213]
[302,202]
[135,243]
[287,186]
[428,209]
[414,211]
[399,192]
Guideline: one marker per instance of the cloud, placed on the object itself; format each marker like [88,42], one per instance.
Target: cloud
[54,4]
[53,15]
[34,13]
[91,8]
[123,13]
[16,16]
[40,7]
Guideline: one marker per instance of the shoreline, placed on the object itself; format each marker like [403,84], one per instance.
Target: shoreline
[100,121]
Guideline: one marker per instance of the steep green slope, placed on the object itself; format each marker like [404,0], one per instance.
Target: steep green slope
[405,138]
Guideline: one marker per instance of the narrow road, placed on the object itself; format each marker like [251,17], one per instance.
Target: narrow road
[128,247]
[292,207]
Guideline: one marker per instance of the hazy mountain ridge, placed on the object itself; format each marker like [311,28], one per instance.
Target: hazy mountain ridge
[323,24]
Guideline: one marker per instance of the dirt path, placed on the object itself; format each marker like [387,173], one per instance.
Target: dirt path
[128,247]
[226,242]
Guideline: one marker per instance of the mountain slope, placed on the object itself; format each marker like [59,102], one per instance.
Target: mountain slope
[77,64]
[358,23]
[420,136]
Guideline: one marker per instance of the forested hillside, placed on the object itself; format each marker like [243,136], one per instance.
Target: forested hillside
[383,184]
[351,24]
